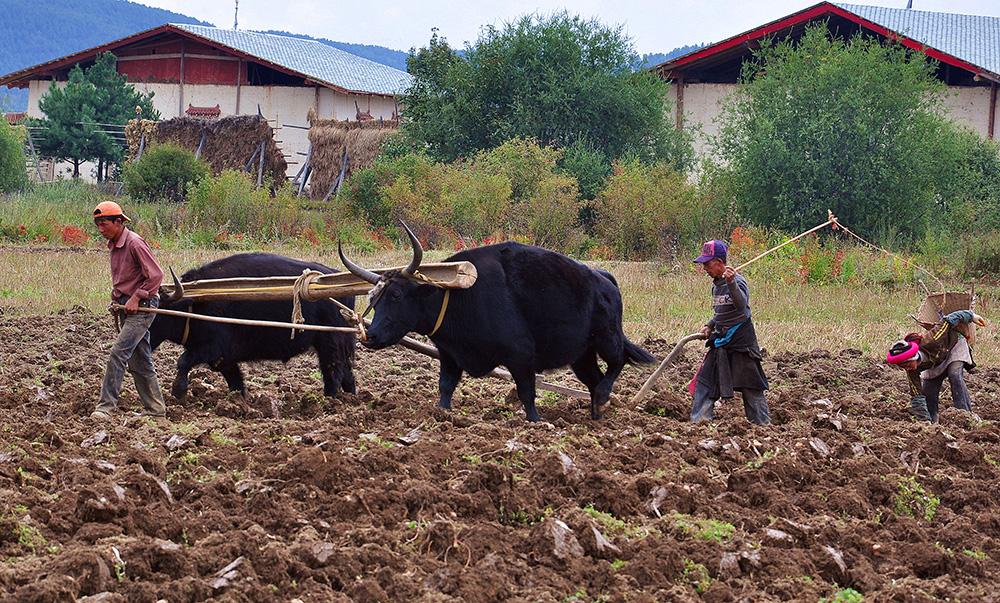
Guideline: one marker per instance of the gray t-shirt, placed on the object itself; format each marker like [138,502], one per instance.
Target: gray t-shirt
[731,303]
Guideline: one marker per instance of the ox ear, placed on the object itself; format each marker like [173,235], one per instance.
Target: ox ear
[418,251]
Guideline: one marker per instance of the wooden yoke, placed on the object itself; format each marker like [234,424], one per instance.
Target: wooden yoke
[447,275]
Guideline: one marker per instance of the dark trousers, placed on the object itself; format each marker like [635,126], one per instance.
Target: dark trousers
[959,391]
[132,351]
[754,405]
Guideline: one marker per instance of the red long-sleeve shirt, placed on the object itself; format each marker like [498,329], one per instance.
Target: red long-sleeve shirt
[134,270]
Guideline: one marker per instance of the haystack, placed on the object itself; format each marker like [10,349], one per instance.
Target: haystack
[330,137]
[229,142]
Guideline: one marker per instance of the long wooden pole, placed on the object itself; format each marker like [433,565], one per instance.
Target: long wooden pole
[243,321]
[832,220]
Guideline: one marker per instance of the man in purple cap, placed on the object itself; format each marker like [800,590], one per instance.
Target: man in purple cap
[733,359]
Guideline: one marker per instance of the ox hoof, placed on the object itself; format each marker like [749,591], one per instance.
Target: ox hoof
[178,393]
[597,410]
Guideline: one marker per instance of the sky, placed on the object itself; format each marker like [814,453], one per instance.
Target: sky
[653,25]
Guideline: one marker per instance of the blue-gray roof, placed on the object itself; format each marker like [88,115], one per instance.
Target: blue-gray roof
[971,38]
[315,60]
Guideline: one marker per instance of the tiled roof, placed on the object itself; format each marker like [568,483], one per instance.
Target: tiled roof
[312,59]
[15,118]
[974,39]
[203,111]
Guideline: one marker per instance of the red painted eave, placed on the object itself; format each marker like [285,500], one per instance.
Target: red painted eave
[823,9]
[20,78]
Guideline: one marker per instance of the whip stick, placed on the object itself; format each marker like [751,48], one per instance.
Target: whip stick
[832,220]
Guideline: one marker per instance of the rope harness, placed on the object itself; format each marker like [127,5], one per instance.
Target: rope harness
[375,296]
[301,289]
[444,308]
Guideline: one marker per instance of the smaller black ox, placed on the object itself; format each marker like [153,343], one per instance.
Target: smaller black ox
[223,346]
[530,310]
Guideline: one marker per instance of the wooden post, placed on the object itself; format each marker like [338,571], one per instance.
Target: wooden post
[246,167]
[180,97]
[345,160]
[679,89]
[201,145]
[142,144]
[304,172]
[993,109]
[298,174]
[239,82]
[260,165]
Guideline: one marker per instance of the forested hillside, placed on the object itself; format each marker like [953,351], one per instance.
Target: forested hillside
[33,32]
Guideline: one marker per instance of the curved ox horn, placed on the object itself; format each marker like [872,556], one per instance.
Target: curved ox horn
[418,251]
[364,274]
[178,289]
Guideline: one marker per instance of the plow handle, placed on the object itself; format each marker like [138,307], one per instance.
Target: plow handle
[663,365]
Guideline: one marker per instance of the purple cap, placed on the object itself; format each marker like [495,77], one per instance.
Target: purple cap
[712,250]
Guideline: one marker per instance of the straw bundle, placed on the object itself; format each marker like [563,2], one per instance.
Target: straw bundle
[229,142]
[330,137]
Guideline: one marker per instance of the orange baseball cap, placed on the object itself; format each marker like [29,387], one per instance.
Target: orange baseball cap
[109,209]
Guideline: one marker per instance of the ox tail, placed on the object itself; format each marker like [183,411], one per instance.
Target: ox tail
[636,355]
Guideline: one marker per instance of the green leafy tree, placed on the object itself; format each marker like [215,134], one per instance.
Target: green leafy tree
[854,126]
[13,176]
[165,171]
[116,103]
[67,131]
[77,114]
[558,80]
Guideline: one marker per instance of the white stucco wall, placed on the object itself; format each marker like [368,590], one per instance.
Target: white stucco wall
[970,107]
[702,105]
[279,104]
[967,106]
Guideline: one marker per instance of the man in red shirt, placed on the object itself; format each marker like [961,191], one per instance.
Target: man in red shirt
[135,278]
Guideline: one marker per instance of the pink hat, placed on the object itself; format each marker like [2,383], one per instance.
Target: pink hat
[902,351]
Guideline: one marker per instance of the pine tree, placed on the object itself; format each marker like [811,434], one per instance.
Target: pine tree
[77,113]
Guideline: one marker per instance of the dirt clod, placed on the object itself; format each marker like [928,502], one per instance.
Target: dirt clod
[381,495]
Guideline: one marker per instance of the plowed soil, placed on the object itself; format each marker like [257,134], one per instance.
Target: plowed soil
[380,497]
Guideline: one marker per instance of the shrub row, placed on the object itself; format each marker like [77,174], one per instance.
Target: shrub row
[565,200]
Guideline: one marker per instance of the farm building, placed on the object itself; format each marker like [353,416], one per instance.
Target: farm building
[967,48]
[207,73]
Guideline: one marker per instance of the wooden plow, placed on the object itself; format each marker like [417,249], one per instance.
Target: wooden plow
[313,286]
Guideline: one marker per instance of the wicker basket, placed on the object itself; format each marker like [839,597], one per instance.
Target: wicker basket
[937,305]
